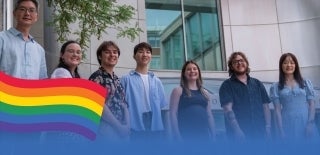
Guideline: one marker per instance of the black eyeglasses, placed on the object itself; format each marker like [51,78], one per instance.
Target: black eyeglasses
[30,10]
[240,61]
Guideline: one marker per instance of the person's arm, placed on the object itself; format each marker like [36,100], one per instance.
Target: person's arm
[1,48]
[211,122]
[173,111]
[231,119]
[166,121]
[164,105]
[277,110]
[266,110]
[122,129]
[274,95]
[311,108]
[311,111]
[126,115]
[267,116]
[311,116]
[43,67]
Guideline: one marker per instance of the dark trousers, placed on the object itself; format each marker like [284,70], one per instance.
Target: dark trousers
[147,134]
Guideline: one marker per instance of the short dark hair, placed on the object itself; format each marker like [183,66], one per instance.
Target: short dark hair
[103,46]
[36,3]
[232,57]
[141,46]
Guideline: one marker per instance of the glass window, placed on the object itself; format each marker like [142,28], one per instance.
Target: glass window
[154,63]
[180,32]
[193,36]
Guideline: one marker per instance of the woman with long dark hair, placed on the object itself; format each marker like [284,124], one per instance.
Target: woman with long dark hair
[293,99]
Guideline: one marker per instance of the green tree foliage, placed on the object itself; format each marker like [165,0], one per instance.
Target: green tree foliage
[93,18]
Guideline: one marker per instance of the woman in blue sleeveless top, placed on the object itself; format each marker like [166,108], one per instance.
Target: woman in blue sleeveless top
[190,108]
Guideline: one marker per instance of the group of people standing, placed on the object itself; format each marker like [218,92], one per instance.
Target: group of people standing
[135,107]
[245,102]
[140,90]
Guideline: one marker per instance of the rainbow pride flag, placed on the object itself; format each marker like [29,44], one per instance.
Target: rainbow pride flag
[73,105]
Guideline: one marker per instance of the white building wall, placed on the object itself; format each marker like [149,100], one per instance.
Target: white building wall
[299,25]
[263,29]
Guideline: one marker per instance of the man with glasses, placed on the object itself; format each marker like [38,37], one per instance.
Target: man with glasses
[245,102]
[20,55]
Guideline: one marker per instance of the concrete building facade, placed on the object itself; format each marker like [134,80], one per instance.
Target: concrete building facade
[262,29]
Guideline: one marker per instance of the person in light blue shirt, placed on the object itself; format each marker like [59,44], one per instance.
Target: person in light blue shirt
[20,55]
[146,98]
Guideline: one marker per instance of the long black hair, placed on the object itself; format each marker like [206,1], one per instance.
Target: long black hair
[296,74]
[61,61]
